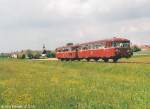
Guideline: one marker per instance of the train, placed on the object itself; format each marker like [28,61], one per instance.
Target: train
[114,48]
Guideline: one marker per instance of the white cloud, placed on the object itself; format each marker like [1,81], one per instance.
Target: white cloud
[30,23]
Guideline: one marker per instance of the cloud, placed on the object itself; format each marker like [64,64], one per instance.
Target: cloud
[30,23]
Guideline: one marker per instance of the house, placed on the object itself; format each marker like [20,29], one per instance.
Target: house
[44,52]
[14,55]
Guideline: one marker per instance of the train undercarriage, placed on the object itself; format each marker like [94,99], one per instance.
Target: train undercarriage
[115,59]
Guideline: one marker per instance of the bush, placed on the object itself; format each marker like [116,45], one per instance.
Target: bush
[30,55]
[23,56]
[37,56]
[50,54]
[135,48]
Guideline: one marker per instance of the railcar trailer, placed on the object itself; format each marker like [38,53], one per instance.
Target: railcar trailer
[114,49]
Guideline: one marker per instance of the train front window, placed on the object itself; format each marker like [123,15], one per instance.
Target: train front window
[121,44]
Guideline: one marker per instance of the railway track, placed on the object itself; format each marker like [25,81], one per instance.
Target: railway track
[134,62]
[119,62]
[123,62]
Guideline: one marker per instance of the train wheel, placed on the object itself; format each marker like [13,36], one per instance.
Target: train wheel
[106,60]
[67,59]
[61,59]
[115,60]
[88,59]
[96,59]
[72,59]
[79,59]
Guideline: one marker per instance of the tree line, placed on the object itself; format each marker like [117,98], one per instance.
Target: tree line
[29,54]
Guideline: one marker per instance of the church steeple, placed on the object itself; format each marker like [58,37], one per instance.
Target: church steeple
[44,49]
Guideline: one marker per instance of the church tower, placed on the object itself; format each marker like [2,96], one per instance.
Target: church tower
[44,50]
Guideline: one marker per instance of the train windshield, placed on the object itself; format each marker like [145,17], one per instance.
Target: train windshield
[121,44]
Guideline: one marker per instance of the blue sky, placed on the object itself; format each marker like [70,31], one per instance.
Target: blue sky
[28,24]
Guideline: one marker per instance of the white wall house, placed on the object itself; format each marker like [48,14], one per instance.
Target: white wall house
[14,56]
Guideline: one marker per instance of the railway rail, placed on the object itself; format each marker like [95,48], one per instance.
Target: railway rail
[119,62]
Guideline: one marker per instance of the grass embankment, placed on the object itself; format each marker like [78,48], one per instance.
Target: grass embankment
[75,85]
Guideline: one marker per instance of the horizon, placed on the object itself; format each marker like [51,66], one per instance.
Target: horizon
[52,49]
[30,24]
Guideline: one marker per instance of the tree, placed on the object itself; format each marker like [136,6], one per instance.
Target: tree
[135,48]
[50,54]
[37,55]
[29,54]
[53,54]
[4,55]
[23,56]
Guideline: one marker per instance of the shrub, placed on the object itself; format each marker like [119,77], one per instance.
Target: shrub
[23,56]
[50,54]
[37,56]
[135,48]
[30,55]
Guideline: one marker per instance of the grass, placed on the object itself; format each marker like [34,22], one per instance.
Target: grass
[147,52]
[138,58]
[75,85]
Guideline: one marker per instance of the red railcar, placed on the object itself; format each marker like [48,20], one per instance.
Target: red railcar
[114,48]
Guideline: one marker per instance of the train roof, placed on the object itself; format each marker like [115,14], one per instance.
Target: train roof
[98,41]
[107,40]
[69,46]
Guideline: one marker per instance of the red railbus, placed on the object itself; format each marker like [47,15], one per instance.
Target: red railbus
[114,49]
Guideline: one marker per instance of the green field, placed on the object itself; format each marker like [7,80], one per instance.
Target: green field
[75,85]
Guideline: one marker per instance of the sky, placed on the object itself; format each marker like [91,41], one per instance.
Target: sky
[28,24]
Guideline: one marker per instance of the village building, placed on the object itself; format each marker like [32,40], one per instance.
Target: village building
[44,52]
[14,56]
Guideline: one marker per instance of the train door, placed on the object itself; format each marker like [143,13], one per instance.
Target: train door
[76,52]
[109,51]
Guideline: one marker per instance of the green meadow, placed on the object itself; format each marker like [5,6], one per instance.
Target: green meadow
[75,85]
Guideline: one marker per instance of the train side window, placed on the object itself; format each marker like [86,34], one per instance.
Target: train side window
[82,48]
[108,44]
[69,49]
[78,49]
[63,50]
[73,49]
[98,46]
[66,49]
[92,46]
[89,46]
[85,47]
